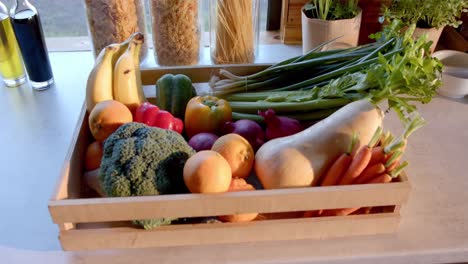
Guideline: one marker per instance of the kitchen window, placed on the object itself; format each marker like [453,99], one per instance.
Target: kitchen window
[65,27]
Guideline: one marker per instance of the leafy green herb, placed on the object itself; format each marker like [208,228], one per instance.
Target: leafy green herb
[331,10]
[427,13]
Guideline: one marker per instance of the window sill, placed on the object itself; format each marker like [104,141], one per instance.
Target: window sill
[270,51]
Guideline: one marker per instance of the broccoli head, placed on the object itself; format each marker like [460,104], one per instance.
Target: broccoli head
[140,160]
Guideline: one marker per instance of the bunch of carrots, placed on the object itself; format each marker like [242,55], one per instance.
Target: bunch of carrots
[376,162]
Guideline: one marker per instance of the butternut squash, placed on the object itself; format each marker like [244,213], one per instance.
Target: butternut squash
[300,160]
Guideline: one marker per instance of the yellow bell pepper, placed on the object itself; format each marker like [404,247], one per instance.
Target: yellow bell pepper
[206,114]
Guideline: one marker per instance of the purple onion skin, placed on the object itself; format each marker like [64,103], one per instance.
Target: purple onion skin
[248,129]
[279,126]
[202,141]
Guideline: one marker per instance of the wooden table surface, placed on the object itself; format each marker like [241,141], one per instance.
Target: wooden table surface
[37,128]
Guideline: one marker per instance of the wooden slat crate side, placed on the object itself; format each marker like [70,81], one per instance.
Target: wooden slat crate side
[69,181]
[195,205]
[221,233]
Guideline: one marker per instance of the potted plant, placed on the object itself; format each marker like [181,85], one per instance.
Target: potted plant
[430,16]
[324,20]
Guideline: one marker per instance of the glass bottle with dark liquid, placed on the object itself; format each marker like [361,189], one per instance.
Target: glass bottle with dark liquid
[28,31]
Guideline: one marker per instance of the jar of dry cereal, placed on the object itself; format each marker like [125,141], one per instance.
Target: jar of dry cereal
[113,21]
[176,31]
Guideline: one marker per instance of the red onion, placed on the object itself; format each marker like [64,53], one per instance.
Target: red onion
[279,126]
[248,129]
[202,141]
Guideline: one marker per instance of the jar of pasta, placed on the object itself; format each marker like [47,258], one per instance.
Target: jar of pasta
[176,31]
[234,31]
[113,21]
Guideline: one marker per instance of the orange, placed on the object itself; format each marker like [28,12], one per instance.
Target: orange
[207,172]
[238,153]
[106,117]
[93,156]
[239,184]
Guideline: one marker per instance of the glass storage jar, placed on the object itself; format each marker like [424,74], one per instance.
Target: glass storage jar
[113,21]
[234,31]
[176,31]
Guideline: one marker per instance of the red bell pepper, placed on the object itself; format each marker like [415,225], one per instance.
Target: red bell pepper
[151,115]
[145,112]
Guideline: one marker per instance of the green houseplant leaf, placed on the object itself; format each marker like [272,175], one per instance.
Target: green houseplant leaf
[427,13]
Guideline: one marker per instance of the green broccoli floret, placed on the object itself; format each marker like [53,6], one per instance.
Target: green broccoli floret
[140,160]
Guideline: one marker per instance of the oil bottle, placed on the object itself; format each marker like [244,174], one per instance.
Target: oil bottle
[11,63]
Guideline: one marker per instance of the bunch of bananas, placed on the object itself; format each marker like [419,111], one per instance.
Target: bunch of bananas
[116,74]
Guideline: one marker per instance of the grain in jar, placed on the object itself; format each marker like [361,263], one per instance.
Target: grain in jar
[176,31]
[113,21]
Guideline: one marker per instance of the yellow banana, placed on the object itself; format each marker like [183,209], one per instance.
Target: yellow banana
[99,86]
[127,87]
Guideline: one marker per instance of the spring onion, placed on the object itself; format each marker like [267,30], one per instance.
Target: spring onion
[395,68]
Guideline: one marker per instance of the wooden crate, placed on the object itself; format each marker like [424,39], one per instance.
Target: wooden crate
[88,223]
[290,30]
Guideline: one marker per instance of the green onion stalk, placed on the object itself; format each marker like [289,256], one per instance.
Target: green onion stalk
[396,68]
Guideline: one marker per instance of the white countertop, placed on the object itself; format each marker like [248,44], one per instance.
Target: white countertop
[36,132]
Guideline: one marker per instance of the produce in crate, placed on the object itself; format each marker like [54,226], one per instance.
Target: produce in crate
[151,115]
[368,165]
[238,153]
[99,86]
[106,117]
[140,160]
[165,120]
[173,92]
[360,160]
[127,87]
[239,184]
[206,114]
[202,141]
[93,156]
[299,160]
[279,126]
[145,113]
[347,100]
[207,172]
[309,87]
[248,129]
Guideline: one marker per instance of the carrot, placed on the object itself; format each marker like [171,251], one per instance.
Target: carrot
[312,213]
[339,167]
[392,166]
[339,212]
[378,155]
[382,178]
[369,173]
[336,171]
[393,160]
[395,172]
[360,160]
[358,164]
